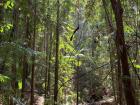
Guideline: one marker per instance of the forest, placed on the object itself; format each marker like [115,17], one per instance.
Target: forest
[69,52]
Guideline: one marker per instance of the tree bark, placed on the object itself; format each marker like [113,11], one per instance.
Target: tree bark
[57,56]
[24,75]
[120,43]
[26,71]
[50,49]
[49,65]
[119,81]
[14,34]
[47,50]
[33,58]
[1,17]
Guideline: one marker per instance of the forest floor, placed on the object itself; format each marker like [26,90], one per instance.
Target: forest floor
[39,100]
[105,101]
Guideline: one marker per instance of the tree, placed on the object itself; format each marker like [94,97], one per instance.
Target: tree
[57,55]
[121,47]
[33,57]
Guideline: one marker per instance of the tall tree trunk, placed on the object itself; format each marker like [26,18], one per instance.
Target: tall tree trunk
[77,83]
[1,11]
[25,72]
[50,49]
[47,50]
[49,66]
[120,42]
[33,58]
[57,56]
[1,17]
[13,36]
[119,81]
[46,43]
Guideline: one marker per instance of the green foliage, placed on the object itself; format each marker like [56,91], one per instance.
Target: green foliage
[6,27]
[20,84]
[137,66]
[4,79]
[9,4]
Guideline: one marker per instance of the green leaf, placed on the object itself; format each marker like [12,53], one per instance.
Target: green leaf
[137,66]
[9,26]
[12,4]
[20,84]
[1,29]
[78,63]
[9,4]
[4,78]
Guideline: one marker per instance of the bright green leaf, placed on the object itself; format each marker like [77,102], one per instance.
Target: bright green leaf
[4,78]
[19,84]
[137,66]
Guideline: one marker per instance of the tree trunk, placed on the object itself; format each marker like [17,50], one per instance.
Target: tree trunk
[120,42]
[13,36]
[50,49]
[77,83]
[1,17]
[57,56]
[25,72]
[46,49]
[33,58]
[119,81]
[1,11]
[49,66]
[24,75]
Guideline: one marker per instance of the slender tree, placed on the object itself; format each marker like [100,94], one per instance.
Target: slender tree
[1,17]
[120,42]
[27,43]
[2,66]
[33,57]
[57,56]
[49,28]
[49,65]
